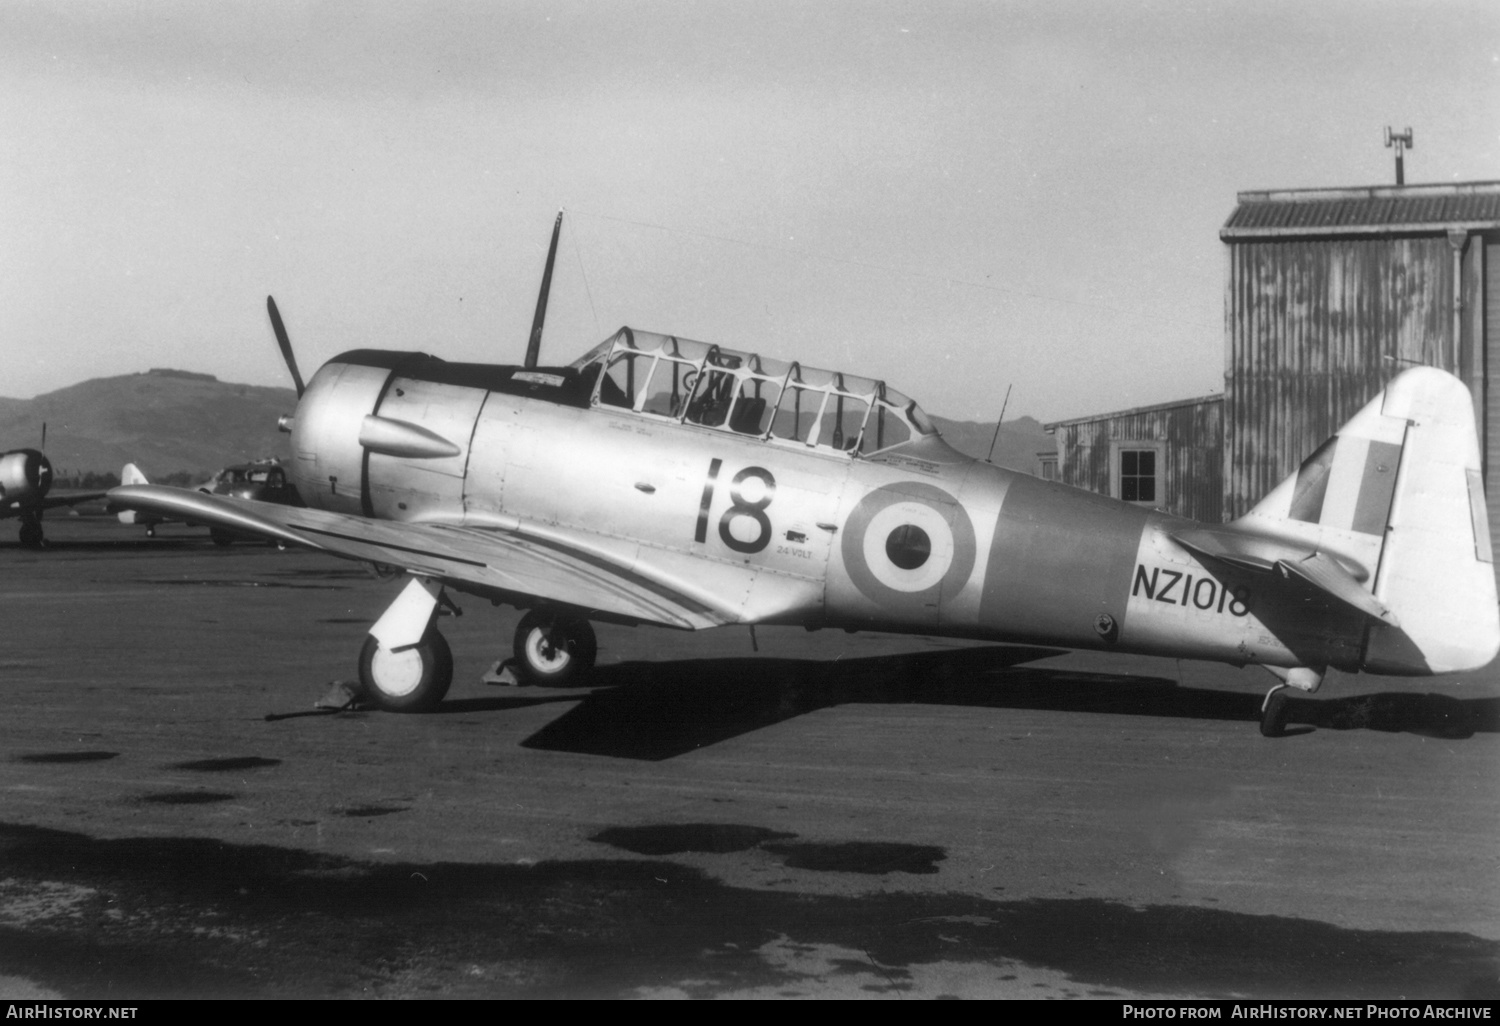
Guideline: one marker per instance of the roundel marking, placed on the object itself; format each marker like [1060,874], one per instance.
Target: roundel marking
[909,545]
[905,520]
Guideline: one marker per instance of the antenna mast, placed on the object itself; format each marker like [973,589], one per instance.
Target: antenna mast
[1402,142]
[989,459]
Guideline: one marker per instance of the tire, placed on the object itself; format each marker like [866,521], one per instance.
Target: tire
[412,680]
[220,536]
[31,534]
[554,651]
[1274,716]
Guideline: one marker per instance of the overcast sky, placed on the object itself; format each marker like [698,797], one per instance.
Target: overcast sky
[956,197]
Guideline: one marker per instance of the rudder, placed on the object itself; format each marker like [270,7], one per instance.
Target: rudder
[1398,499]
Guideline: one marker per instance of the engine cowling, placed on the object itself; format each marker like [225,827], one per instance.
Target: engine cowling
[328,459]
[25,476]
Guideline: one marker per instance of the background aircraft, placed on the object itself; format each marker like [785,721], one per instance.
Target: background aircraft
[658,480]
[25,481]
[262,480]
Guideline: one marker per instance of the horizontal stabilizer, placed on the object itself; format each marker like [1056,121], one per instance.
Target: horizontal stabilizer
[1329,575]
[1258,552]
[1248,551]
[1262,554]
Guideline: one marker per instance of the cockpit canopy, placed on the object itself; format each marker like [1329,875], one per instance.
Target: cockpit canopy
[697,383]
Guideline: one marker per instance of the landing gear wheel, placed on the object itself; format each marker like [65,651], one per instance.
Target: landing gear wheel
[31,534]
[220,536]
[1273,712]
[556,651]
[412,680]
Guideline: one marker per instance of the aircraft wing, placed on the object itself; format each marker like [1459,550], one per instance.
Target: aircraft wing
[502,554]
[1263,554]
[51,502]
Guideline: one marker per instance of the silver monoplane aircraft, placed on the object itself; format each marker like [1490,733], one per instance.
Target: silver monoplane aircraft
[658,480]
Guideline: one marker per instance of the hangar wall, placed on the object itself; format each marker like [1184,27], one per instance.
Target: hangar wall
[1187,442]
[1330,294]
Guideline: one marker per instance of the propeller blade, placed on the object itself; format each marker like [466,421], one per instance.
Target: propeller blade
[534,347]
[285,344]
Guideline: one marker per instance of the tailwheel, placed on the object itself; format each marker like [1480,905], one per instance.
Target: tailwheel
[220,536]
[554,650]
[412,680]
[1273,712]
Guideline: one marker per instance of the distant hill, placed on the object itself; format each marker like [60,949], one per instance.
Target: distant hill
[1020,440]
[163,420]
[168,421]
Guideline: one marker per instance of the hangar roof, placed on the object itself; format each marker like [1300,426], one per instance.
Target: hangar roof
[1217,397]
[1375,210]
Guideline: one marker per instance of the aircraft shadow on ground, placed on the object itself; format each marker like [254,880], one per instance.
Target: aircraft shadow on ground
[659,710]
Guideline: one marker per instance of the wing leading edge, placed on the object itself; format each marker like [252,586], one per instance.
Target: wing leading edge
[499,555]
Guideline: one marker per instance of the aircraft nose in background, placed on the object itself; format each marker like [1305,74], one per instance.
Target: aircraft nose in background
[38,471]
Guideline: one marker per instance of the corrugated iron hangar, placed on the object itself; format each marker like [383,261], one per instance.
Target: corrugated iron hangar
[1330,294]
[1168,456]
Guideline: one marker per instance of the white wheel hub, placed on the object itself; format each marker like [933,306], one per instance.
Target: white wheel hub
[396,673]
[542,654]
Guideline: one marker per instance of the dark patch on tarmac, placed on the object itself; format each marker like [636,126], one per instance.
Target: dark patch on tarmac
[365,811]
[323,573]
[871,857]
[660,710]
[68,757]
[242,762]
[242,584]
[192,917]
[187,797]
[675,838]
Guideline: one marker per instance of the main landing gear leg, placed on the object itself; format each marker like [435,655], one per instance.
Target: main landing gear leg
[406,665]
[31,532]
[1274,710]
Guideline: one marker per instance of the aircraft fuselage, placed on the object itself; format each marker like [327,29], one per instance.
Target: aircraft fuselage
[911,538]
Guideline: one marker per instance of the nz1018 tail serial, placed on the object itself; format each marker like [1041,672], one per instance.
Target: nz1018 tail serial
[657,480]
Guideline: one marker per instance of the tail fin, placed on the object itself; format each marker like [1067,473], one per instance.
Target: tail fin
[130,474]
[1396,502]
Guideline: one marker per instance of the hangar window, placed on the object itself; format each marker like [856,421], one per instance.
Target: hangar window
[1137,472]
